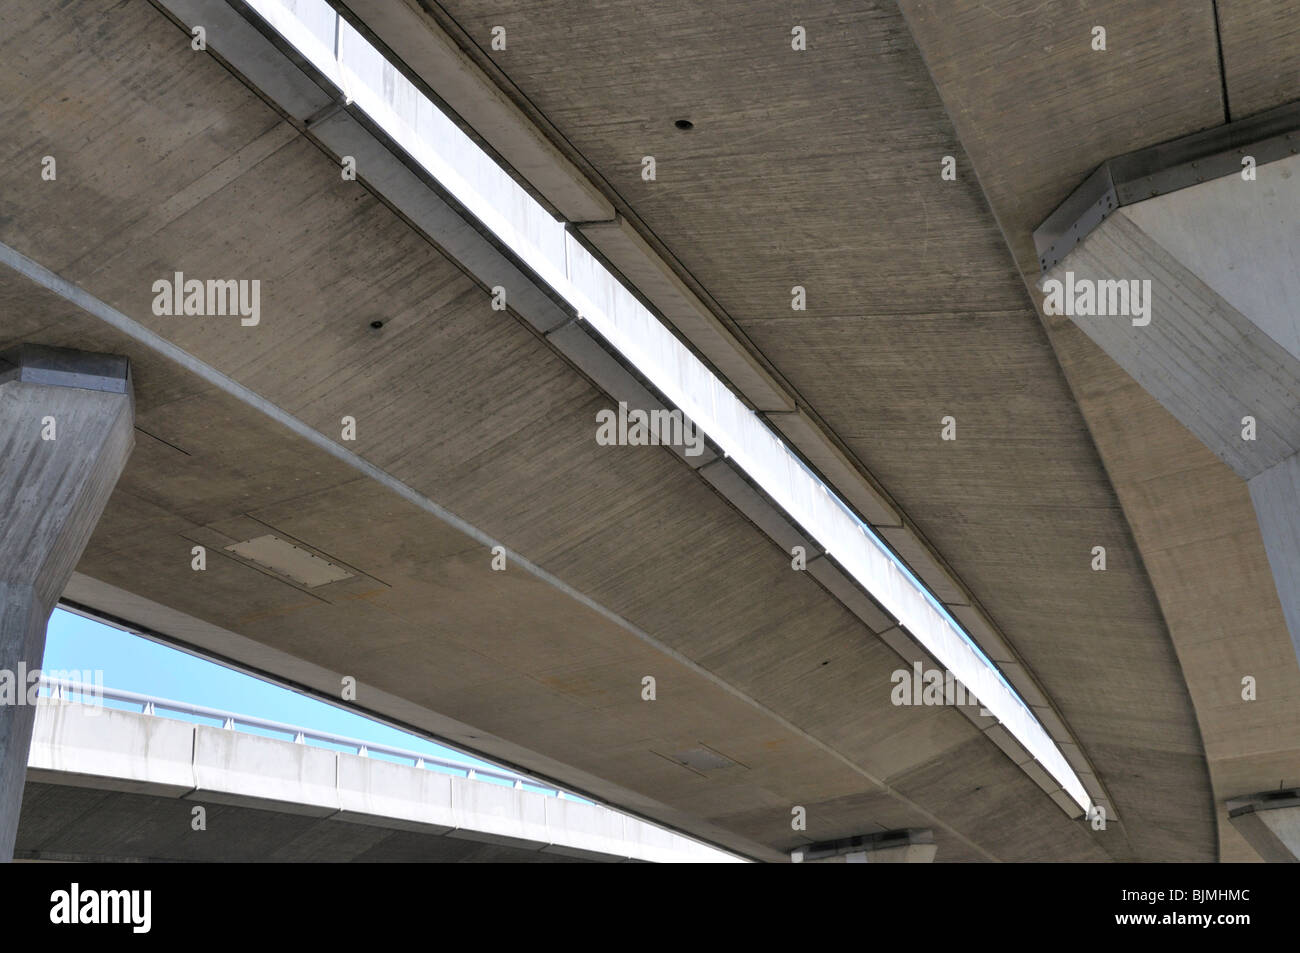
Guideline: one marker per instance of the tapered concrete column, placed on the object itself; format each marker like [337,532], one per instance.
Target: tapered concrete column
[1276,495]
[66,430]
[1193,292]
[1270,821]
[890,847]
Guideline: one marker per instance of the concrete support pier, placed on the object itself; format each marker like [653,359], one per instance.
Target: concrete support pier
[910,846]
[1270,821]
[1192,292]
[66,430]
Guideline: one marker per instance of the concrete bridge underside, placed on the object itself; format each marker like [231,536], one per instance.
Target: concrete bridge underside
[818,168]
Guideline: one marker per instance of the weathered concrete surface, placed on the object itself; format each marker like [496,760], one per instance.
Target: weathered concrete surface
[1191,516]
[465,407]
[904,272]
[110,750]
[1261,54]
[62,449]
[1195,525]
[347,521]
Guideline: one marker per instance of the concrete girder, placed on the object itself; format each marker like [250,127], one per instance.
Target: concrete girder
[68,430]
[1209,272]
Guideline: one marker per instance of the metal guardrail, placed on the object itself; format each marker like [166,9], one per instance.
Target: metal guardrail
[149,705]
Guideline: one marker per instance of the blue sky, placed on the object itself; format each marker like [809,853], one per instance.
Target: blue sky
[133,663]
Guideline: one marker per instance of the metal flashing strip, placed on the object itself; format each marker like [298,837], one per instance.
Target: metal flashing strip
[64,367]
[1264,801]
[1163,168]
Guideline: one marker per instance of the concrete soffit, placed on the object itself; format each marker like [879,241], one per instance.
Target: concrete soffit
[434,62]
